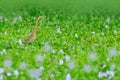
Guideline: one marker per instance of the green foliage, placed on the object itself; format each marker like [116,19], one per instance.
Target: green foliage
[77,36]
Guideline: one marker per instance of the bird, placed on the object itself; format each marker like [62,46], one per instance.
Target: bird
[33,35]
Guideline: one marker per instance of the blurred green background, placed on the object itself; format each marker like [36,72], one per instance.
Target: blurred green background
[104,6]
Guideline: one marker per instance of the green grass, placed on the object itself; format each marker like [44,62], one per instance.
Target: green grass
[90,40]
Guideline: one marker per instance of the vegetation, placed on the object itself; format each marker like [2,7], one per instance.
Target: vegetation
[68,45]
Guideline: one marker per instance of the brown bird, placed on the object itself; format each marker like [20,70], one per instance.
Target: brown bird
[33,35]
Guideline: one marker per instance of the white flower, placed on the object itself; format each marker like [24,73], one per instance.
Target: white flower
[14,20]
[61,62]
[20,42]
[41,68]
[23,65]
[16,73]
[106,26]
[61,51]
[47,47]
[53,51]
[67,58]
[8,74]
[112,67]
[87,68]
[112,51]
[1,70]
[18,30]
[102,33]
[58,30]
[34,73]
[34,18]
[115,32]
[1,77]
[110,73]
[3,51]
[39,79]
[108,59]
[68,77]
[92,56]
[20,18]
[39,58]
[93,32]
[71,65]
[76,36]
[8,63]
[5,33]
[104,65]
[51,75]
[102,74]
[108,20]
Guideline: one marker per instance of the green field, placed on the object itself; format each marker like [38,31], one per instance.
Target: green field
[70,45]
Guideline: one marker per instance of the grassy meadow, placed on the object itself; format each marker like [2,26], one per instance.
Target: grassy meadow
[70,45]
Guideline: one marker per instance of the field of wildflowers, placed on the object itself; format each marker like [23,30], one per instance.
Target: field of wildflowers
[68,46]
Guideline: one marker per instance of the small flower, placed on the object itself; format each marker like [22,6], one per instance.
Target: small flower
[34,73]
[23,66]
[8,63]
[20,42]
[106,26]
[1,70]
[71,65]
[14,20]
[47,47]
[41,68]
[52,76]
[61,51]
[110,73]
[1,77]
[68,77]
[108,20]
[76,36]
[58,30]
[53,51]
[5,33]
[20,18]
[61,62]
[93,32]
[39,58]
[3,51]
[108,59]
[67,58]
[39,79]
[34,18]
[92,56]
[112,52]
[8,74]
[102,33]
[87,68]
[115,32]
[104,65]
[102,74]
[18,30]
[112,67]
[16,73]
